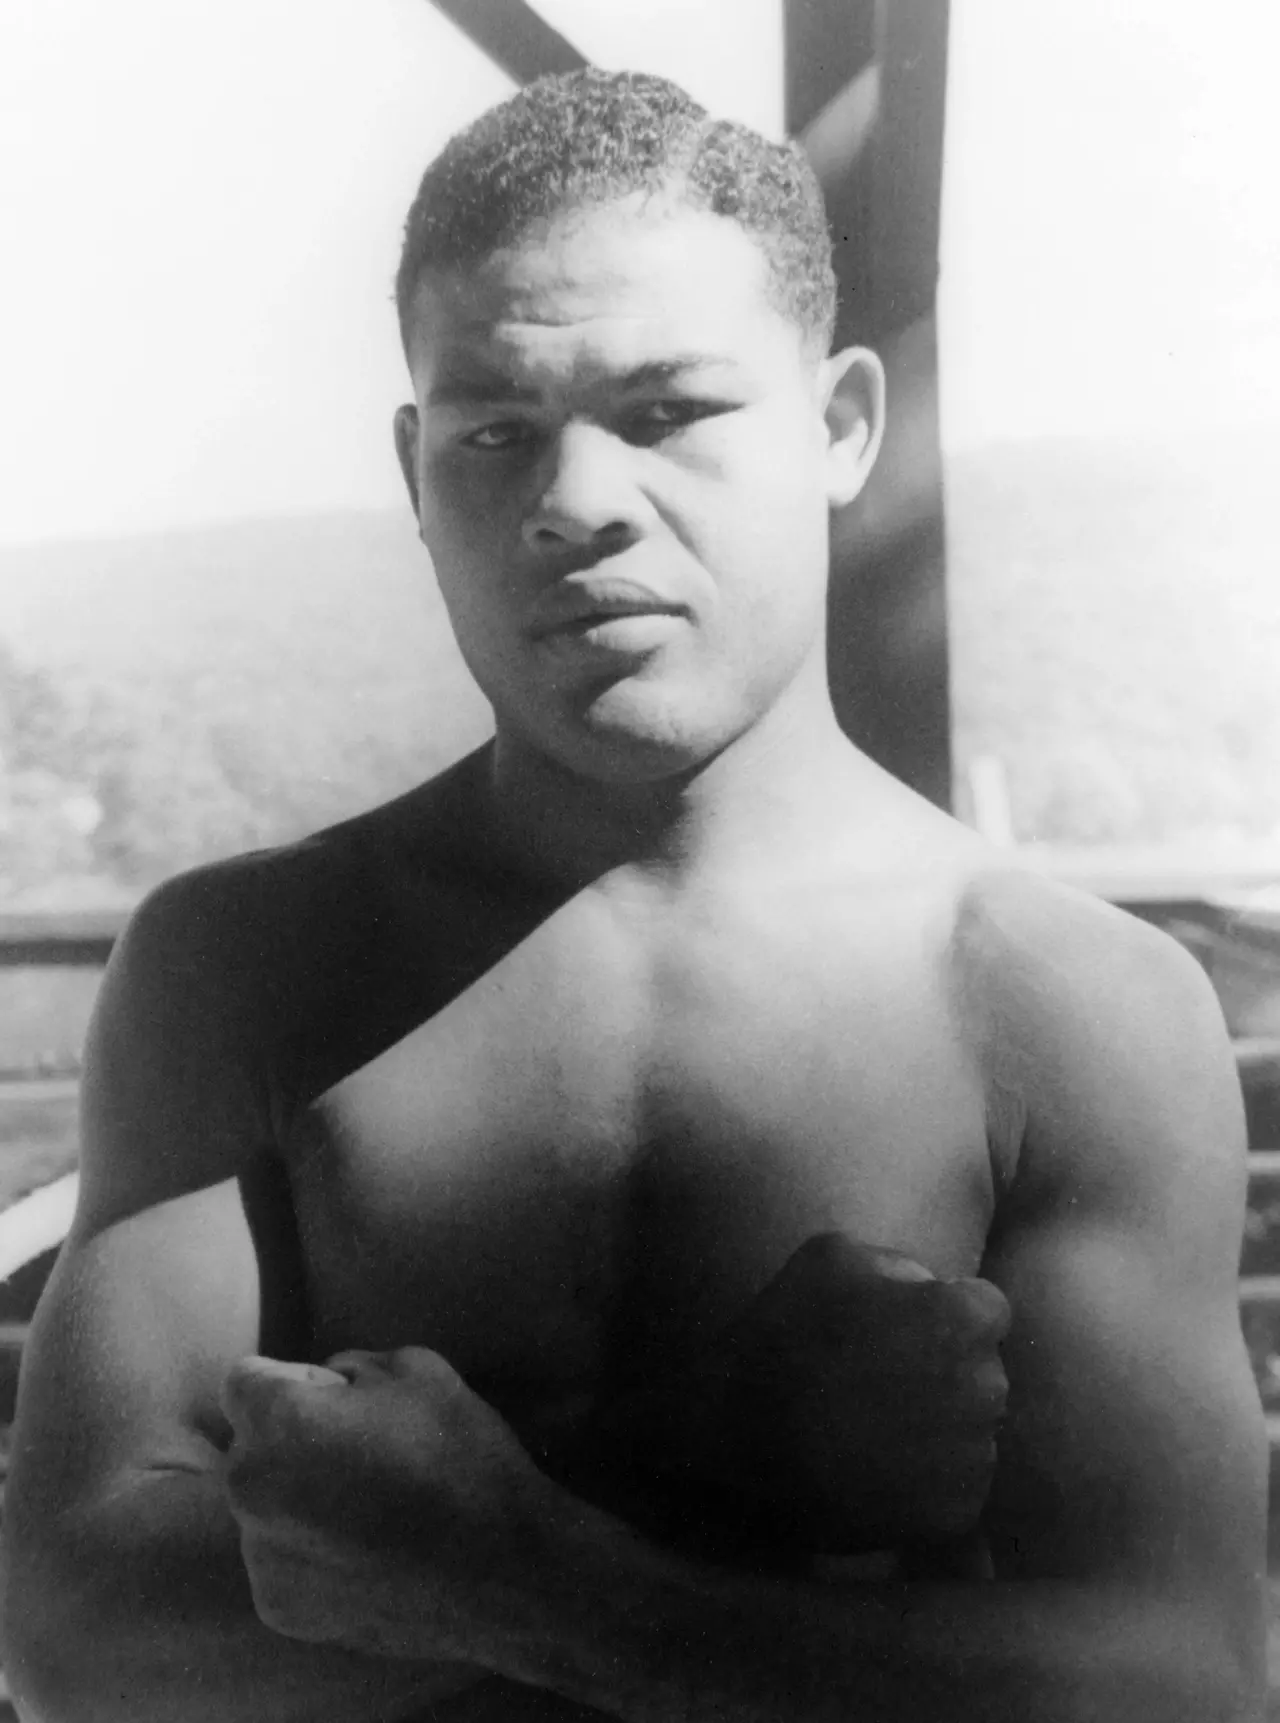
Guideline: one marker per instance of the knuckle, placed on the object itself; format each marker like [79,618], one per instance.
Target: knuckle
[350,1364]
[931,1314]
[421,1361]
[990,1388]
[960,1511]
[978,1393]
[240,1390]
[982,1462]
[427,1370]
[274,1603]
[445,1377]
[832,1253]
[247,1485]
[961,1496]
[981,1309]
[254,1395]
[964,1460]
[278,1584]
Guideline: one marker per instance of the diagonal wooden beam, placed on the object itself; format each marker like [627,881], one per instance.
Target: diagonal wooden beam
[825,43]
[514,37]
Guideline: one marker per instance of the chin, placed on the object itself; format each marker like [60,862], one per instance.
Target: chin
[632,734]
[613,757]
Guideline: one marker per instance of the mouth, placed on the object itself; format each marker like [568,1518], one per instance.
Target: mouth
[575,607]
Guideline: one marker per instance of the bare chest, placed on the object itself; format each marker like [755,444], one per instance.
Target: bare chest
[589,1160]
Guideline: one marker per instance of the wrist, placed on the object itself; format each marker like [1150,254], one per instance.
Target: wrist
[506,1605]
[586,1567]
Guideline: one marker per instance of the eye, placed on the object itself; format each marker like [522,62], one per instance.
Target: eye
[656,419]
[678,412]
[499,436]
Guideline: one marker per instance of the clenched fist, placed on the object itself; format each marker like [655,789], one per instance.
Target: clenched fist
[853,1405]
[382,1505]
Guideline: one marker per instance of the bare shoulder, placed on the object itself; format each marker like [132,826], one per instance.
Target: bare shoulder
[247,931]
[1031,945]
[225,940]
[1104,1029]
[224,979]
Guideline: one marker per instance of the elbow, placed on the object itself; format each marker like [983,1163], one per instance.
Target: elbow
[1156,1659]
[42,1642]
[1241,1687]
[1241,1645]
[41,1687]
[1226,1694]
[59,1639]
[1217,1673]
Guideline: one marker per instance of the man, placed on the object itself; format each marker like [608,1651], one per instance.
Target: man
[656,1122]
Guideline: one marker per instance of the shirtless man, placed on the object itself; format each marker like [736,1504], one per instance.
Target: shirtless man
[641,1118]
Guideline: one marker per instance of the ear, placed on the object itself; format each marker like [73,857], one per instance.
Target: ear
[406,432]
[853,385]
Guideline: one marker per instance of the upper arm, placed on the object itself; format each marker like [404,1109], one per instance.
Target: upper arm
[1134,1448]
[157,1288]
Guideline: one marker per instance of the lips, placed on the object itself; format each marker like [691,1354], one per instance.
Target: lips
[576,604]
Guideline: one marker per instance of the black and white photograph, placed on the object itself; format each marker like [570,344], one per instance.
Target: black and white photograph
[639,861]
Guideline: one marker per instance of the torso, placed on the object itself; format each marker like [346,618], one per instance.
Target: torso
[597,1153]
[580,1138]
[585,1133]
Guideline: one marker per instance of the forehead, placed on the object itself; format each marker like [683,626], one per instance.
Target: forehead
[603,291]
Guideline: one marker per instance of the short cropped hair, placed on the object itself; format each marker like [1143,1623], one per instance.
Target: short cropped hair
[588,138]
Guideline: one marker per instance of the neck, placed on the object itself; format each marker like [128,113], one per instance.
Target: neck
[777,777]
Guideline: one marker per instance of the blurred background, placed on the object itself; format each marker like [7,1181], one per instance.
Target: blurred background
[216,627]
[1057,609]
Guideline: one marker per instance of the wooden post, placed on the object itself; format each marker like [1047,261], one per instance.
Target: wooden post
[865,92]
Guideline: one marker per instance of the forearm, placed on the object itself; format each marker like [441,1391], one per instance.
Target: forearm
[138,1609]
[652,1638]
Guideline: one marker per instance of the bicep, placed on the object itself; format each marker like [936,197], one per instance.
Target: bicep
[158,1287]
[140,1321]
[1134,1445]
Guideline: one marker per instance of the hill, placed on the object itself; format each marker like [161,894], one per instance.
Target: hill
[1115,636]
[214,690]
[1115,618]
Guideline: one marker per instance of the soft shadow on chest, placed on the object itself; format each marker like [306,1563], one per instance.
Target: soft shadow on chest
[558,1178]
[466,1188]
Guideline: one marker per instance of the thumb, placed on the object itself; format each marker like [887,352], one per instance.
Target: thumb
[252,1385]
[820,1281]
[897,1265]
[836,1257]
[290,1370]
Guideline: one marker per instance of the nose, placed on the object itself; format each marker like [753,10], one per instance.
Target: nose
[585,494]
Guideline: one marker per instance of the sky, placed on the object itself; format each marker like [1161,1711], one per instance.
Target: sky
[202,208]
[202,205]
[1111,223]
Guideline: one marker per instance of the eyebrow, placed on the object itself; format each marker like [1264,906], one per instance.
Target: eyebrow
[477,388]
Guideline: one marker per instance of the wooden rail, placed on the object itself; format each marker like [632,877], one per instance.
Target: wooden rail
[39,939]
[85,938]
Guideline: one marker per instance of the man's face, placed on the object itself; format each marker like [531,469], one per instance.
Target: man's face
[623,475]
